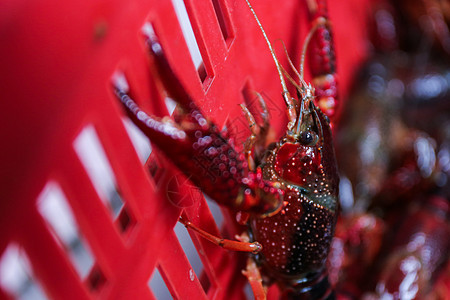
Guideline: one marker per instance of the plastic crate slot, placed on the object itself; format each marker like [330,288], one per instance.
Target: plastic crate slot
[158,286]
[215,210]
[248,291]
[170,104]
[223,16]
[93,157]
[191,254]
[140,142]
[155,168]
[16,276]
[191,41]
[54,208]
[125,220]
[96,280]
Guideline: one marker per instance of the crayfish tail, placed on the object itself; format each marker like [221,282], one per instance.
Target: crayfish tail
[317,289]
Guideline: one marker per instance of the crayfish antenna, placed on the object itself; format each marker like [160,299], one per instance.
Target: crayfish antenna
[319,22]
[277,63]
[292,114]
[300,76]
[307,93]
[290,79]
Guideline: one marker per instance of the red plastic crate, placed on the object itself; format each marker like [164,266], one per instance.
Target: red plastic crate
[56,63]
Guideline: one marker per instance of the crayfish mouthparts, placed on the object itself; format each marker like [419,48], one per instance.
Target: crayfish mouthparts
[260,197]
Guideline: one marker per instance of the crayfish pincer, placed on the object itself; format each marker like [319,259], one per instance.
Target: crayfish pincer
[194,144]
[288,192]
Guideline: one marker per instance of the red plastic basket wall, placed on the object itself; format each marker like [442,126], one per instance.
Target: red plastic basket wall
[56,63]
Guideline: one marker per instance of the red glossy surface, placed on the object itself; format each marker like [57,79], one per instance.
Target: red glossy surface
[291,156]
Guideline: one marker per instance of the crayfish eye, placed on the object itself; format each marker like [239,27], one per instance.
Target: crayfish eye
[308,138]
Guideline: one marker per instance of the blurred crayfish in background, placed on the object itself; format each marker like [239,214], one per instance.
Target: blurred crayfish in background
[393,149]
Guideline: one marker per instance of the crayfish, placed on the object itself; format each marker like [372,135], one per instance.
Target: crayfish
[286,193]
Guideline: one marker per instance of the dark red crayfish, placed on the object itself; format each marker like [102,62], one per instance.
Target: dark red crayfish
[289,191]
[392,149]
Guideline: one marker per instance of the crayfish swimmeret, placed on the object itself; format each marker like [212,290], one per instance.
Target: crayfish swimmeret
[288,192]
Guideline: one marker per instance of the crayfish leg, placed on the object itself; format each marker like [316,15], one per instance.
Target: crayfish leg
[259,133]
[254,278]
[252,139]
[254,247]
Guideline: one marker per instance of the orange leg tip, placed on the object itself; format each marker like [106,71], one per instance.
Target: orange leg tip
[257,246]
[254,278]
